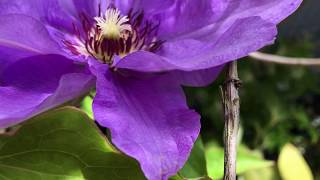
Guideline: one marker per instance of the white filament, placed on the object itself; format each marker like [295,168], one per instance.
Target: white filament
[113,24]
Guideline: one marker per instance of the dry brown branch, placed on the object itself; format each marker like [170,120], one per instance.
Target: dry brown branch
[269,58]
[231,103]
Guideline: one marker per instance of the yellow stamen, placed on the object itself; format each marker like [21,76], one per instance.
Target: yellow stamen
[113,25]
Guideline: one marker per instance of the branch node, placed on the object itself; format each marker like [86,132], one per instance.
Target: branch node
[236,81]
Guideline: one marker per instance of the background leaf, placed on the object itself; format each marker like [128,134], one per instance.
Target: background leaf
[247,160]
[292,165]
[63,144]
[268,173]
[196,165]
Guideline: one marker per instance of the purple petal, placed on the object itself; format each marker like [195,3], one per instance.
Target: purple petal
[33,85]
[9,55]
[271,11]
[88,7]
[77,7]
[244,36]
[26,38]
[149,120]
[47,11]
[91,8]
[28,35]
[147,6]
[199,78]
[188,15]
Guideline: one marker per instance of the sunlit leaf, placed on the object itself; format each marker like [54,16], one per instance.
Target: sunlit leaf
[246,160]
[292,165]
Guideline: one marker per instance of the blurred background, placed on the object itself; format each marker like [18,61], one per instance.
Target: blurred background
[280,108]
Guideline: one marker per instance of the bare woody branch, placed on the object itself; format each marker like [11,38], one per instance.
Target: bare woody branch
[231,103]
[269,58]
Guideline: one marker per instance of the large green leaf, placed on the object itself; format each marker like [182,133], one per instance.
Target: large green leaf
[196,165]
[292,165]
[63,144]
[246,160]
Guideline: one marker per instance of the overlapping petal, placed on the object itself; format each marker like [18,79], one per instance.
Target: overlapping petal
[26,38]
[32,85]
[9,55]
[186,16]
[244,36]
[48,12]
[210,18]
[198,78]
[28,35]
[148,7]
[149,120]
[272,11]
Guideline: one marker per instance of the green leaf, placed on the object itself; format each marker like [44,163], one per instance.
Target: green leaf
[196,165]
[86,106]
[63,144]
[246,160]
[292,165]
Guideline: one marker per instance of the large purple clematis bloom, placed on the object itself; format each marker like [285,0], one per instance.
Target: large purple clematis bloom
[137,53]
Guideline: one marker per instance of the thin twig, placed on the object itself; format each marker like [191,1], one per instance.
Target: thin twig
[231,104]
[269,58]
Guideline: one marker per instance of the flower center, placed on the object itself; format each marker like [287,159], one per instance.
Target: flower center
[113,25]
[113,34]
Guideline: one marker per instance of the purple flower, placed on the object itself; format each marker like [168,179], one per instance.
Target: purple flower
[137,53]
